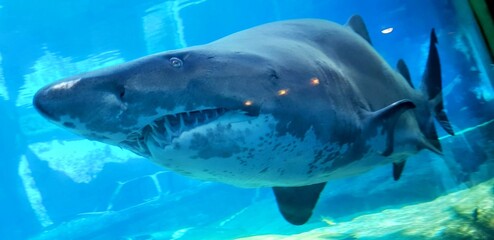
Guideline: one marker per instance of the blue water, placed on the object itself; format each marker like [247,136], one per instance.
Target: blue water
[56,185]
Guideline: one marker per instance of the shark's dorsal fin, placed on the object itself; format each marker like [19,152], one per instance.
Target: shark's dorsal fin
[356,23]
[296,203]
[386,119]
[398,169]
[402,68]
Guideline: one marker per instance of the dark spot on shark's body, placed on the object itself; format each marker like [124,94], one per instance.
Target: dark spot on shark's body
[187,173]
[317,156]
[332,156]
[322,157]
[69,125]
[276,146]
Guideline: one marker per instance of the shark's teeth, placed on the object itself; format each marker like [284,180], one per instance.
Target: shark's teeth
[164,129]
[153,125]
[160,137]
[141,146]
[168,127]
[182,124]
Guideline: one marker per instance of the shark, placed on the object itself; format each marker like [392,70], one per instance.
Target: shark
[289,105]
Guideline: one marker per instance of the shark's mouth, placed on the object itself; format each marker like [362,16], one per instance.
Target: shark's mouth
[164,129]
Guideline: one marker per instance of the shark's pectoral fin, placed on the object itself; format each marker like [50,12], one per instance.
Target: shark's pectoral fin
[296,203]
[385,120]
[398,169]
[356,23]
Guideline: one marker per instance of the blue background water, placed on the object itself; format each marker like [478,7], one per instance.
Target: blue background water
[48,176]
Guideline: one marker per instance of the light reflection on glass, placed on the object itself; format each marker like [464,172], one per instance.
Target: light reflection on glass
[282,92]
[387,30]
[314,81]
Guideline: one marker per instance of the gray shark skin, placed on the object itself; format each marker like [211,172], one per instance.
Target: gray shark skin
[288,105]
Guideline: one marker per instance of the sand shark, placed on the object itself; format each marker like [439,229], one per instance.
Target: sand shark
[288,105]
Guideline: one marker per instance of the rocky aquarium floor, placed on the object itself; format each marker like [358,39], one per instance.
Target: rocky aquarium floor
[466,214]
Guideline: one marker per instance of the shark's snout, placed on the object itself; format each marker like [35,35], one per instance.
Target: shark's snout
[53,99]
[43,102]
[76,97]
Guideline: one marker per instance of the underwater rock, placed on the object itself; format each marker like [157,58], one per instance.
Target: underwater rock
[466,214]
[86,159]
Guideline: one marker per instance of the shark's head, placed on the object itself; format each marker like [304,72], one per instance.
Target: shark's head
[215,112]
[158,98]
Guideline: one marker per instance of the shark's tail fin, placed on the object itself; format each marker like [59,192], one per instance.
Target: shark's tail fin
[432,88]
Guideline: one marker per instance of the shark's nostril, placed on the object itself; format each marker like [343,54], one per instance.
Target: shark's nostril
[122,93]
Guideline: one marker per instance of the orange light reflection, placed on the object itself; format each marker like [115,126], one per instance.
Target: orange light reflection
[314,81]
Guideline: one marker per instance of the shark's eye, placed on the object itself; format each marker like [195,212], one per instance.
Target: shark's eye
[176,62]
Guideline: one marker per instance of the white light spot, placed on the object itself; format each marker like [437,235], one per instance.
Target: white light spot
[66,85]
[282,92]
[387,30]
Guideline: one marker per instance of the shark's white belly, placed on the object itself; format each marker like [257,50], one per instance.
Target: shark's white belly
[250,154]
